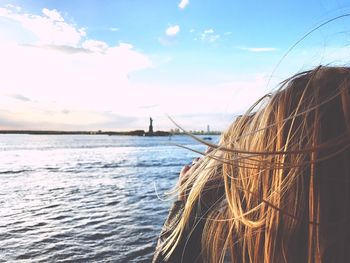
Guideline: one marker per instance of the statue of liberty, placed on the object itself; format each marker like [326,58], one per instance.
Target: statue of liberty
[150,129]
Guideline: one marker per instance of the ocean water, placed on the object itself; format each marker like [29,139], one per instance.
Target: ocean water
[82,198]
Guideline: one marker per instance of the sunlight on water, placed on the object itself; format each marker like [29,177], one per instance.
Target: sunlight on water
[85,198]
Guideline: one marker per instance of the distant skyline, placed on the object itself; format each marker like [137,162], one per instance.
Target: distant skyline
[110,65]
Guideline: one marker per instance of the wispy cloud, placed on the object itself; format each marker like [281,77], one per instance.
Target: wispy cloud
[54,15]
[209,35]
[257,49]
[149,106]
[63,49]
[13,7]
[48,28]
[113,29]
[95,46]
[183,3]
[19,97]
[172,31]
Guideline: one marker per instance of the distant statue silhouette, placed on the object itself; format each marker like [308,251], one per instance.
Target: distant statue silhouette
[150,129]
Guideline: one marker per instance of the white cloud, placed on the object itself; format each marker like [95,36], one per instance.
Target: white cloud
[208,31]
[17,8]
[209,35]
[48,75]
[95,46]
[113,29]
[54,15]
[59,70]
[172,30]
[48,29]
[184,3]
[258,49]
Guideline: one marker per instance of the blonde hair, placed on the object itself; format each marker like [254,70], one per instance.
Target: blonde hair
[277,186]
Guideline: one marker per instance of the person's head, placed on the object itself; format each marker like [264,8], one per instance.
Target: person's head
[284,173]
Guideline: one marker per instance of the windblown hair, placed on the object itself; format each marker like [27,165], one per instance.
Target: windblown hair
[278,183]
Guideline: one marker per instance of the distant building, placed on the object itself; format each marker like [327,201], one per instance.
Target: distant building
[150,128]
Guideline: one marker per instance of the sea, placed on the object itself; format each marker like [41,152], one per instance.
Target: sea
[86,198]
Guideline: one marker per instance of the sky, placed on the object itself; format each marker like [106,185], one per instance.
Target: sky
[112,64]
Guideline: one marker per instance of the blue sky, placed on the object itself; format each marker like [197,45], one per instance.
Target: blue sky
[89,64]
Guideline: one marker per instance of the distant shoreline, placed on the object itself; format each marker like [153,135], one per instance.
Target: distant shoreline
[110,133]
[50,132]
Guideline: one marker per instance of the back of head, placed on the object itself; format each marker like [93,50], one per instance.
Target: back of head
[293,183]
[285,177]
[318,105]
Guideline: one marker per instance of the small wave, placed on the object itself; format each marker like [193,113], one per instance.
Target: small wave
[91,223]
[56,189]
[141,251]
[112,165]
[141,164]
[157,164]
[52,168]
[99,236]
[23,230]
[25,256]
[51,206]
[89,164]
[40,224]
[73,170]
[61,236]
[113,203]
[15,171]
[59,217]
[122,164]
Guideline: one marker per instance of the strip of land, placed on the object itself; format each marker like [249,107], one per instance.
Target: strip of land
[48,132]
[130,133]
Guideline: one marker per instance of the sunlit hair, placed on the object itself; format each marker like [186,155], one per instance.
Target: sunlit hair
[278,183]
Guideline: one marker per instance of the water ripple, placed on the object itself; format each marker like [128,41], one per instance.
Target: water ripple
[84,199]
